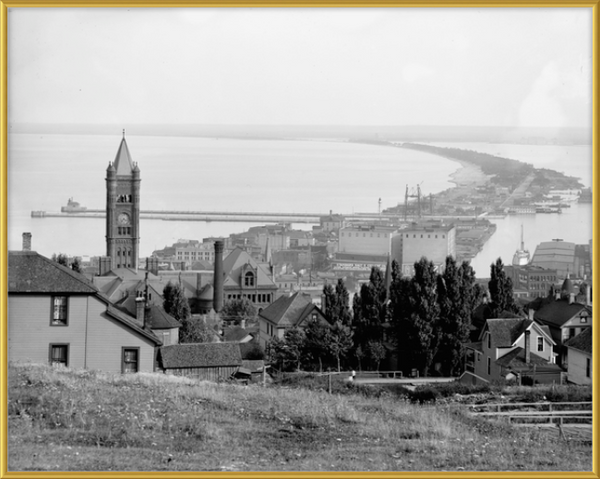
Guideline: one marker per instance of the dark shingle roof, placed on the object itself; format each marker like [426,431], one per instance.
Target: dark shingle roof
[516,360]
[128,321]
[558,312]
[201,355]
[30,272]
[157,318]
[235,334]
[505,331]
[582,342]
[289,310]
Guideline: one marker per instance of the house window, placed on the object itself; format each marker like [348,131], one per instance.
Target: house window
[540,343]
[489,366]
[130,360]
[489,341]
[588,367]
[59,311]
[571,332]
[249,279]
[59,355]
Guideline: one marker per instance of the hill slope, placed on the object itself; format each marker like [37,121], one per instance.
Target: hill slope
[89,421]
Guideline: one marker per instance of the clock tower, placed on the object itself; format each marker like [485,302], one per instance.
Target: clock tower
[123,210]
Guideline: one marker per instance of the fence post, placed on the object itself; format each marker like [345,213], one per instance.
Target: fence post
[329,376]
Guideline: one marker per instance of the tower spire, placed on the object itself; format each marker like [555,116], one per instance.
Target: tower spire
[123,133]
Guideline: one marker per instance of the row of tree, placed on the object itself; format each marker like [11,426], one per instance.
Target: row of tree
[423,321]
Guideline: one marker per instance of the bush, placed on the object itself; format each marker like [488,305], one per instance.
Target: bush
[424,394]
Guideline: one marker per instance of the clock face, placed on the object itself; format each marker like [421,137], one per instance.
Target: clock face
[123,219]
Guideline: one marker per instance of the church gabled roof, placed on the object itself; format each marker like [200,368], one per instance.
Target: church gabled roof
[232,267]
[123,163]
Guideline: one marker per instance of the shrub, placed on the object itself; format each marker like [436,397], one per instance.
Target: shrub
[424,394]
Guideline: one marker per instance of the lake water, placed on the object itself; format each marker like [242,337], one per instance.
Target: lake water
[183,173]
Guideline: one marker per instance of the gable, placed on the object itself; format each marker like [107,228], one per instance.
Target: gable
[233,265]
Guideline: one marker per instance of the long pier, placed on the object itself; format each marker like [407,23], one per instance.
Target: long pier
[234,216]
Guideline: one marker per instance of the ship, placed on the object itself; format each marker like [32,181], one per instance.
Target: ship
[521,256]
[73,207]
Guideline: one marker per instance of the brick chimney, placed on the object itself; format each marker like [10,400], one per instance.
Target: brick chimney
[571,298]
[527,347]
[140,306]
[218,277]
[152,265]
[104,265]
[530,314]
[26,241]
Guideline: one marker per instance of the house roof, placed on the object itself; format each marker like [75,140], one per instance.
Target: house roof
[123,164]
[232,268]
[581,342]
[290,310]
[128,321]
[505,331]
[558,312]
[157,318]
[30,272]
[516,361]
[235,334]
[200,355]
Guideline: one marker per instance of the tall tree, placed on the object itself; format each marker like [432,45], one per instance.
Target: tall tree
[377,352]
[317,341]
[340,341]
[400,317]
[294,341]
[425,313]
[337,303]
[174,301]
[370,309]
[458,296]
[501,291]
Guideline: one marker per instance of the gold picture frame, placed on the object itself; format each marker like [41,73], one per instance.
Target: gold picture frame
[6,4]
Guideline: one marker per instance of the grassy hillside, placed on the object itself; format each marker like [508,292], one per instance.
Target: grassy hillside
[89,421]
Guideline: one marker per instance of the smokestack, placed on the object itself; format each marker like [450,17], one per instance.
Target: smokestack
[527,347]
[218,277]
[26,241]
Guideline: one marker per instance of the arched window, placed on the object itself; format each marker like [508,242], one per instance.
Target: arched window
[249,278]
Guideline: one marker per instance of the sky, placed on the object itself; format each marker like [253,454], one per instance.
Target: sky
[523,67]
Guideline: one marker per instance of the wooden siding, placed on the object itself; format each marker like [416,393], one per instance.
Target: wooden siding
[577,367]
[107,338]
[95,339]
[206,374]
[30,333]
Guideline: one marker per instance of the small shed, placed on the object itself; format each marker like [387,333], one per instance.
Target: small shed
[207,361]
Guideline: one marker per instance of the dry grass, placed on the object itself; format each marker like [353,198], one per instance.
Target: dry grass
[90,421]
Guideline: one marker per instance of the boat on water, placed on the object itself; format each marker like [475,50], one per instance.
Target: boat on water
[72,207]
[521,256]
